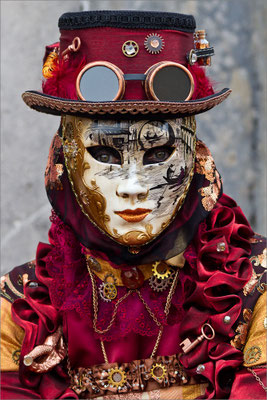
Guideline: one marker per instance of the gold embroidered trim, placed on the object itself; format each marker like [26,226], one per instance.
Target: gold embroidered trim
[11,339]
[255,348]
[12,287]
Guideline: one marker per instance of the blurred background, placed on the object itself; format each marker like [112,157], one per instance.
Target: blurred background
[234,131]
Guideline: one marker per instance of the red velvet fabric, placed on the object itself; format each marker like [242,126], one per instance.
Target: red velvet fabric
[246,387]
[208,283]
[105,44]
[50,388]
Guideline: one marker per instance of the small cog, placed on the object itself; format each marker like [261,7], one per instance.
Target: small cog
[161,270]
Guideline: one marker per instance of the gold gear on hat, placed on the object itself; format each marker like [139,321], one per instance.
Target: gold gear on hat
[130,48]
[116,377]
[161,371]
[161,273]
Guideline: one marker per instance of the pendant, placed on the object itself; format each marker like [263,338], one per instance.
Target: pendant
[133,278]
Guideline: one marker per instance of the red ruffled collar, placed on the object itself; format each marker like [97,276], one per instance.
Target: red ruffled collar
[210,280]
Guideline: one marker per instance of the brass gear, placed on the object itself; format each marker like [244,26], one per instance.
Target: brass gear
[116,377]
[158,284]
[161,370]
[161,273]
[252,355]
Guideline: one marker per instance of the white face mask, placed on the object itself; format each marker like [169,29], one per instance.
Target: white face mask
[130,177]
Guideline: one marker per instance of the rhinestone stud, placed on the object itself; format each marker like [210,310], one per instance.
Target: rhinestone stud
[27,361]
[221,246]
[265,323]
[227,319]
[33,284]
[200,368]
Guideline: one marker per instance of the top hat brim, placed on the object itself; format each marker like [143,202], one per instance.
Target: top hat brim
[59,106]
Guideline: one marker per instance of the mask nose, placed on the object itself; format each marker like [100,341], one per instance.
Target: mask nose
[131,188]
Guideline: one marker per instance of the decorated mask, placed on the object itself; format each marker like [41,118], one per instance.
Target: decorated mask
[129,177]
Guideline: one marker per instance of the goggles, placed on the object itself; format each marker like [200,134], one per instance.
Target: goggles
[164,81]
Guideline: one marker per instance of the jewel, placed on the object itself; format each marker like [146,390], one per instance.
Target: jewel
[227,319]
[94,264]
[33,284]
[154,43]
[200,368]
[130,48]
[117,377]
[28,360]
[132,278]
[221,246]
[265,323]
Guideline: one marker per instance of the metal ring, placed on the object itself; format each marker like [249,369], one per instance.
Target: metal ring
[152,71]
[76,44]
[212,332]
[106,64]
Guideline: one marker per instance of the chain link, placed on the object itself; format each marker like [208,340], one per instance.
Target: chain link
[95,305]
[95,308]
[258,379]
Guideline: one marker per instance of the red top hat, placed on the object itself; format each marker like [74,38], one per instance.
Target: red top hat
[126,63]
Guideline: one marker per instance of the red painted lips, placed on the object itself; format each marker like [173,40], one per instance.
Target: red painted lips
[136,215]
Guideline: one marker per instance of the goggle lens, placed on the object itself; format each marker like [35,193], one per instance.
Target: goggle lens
[165,81]
[172,84]
[99,83]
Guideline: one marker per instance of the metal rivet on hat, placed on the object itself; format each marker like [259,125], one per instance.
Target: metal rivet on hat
[130,48]
[192,57]
[227,319]
[200,368]
[154,43]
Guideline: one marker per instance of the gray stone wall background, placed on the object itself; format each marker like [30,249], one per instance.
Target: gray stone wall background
[235,130]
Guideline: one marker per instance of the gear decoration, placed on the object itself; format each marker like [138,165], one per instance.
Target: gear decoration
[161,270]
[154,43]
[107,289]
[116,378]
[130,48]
[158,371]
[252,355]
[16,356]
[159,284]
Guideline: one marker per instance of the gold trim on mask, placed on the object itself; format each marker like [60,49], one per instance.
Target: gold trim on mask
[91,200]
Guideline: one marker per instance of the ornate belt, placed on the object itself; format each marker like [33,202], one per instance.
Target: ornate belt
[139,375]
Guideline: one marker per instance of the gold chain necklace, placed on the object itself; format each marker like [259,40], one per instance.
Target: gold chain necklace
[95,308]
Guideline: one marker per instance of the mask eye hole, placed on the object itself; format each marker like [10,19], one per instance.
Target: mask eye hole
[157,155]
[105,154]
